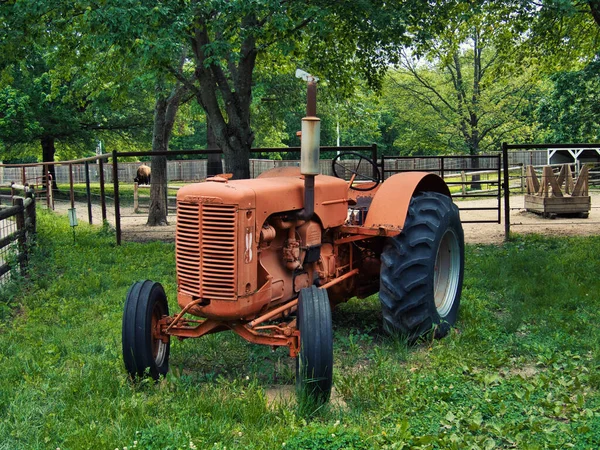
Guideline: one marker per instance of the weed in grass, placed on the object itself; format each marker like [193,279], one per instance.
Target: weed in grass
[327,438]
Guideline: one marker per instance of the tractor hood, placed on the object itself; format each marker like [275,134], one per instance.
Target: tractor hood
[273,195]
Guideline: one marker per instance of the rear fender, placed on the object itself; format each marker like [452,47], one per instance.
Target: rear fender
[390,204]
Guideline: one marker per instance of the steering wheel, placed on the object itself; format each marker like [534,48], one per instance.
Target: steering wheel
[336,166]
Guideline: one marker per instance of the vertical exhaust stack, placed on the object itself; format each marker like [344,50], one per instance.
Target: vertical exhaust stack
[310,144]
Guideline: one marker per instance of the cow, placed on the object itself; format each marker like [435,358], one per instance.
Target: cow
[143,175]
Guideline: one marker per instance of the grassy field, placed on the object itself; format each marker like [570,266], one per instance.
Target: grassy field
[521,370]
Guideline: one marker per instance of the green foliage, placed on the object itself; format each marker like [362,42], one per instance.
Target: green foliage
[15,113]
[412,126]
[570,112]
[85,71]
[317,437]
[189,131]
[451,93]
[521,370]
[553,35]
[227,42]
[56,85]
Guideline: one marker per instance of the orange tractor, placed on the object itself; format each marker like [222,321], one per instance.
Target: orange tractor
[269,258]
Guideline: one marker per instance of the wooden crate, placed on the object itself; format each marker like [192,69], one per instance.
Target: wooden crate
[558,194]
[551,206]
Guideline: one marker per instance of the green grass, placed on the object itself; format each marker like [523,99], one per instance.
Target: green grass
[521,370]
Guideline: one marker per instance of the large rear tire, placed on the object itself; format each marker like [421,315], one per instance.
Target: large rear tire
[314,367]
[144,351]
[422,269]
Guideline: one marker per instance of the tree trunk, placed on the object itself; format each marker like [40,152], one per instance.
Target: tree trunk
[237,159]
[165,111]
[234,137]
[474,111]
[157,216]
[595,10]
[48,152]
[225,94]
[474,150]
[215,165]
[475,184]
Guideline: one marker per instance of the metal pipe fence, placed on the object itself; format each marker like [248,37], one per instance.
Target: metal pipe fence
[477,176]
[196,170]
[493,176]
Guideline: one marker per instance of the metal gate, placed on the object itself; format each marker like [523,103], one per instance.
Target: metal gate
[474,179]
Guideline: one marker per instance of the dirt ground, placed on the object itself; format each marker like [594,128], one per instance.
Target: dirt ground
[134,225]
[524,222]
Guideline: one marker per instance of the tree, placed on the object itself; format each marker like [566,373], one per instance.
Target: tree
[410,126]
[570,111]
[280,103]
[227,44]
[564,36]
[51,93]
[467,99]
[458,75]
[228,40]
[554,35]
[41,107]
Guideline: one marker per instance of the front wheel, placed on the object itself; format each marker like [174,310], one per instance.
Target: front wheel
[144,349]
[422,269]
[314,366]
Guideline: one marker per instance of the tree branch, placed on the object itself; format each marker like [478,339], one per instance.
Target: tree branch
[298,27]
[428,86]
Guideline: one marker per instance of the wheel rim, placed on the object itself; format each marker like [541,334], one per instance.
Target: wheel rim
[446,273]
[159,348]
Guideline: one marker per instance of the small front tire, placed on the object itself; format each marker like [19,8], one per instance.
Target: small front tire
[144,350]
[314,367]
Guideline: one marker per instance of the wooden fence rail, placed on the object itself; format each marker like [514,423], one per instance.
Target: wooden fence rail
[17,227]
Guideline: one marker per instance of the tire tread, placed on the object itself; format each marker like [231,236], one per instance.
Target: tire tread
[406,278]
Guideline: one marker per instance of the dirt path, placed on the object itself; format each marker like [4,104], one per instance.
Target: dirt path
[524,222]
[134,225]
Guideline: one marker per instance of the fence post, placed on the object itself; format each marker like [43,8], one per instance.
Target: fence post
[136,201]
[45,183]
[506,192]
[46,178]
[463,179]
[116,194]
[22,239]
[88,191]
[31,210]
[166,191]
[102,194]
[23,176]
[72,192]
[499,175]
[374,159]
[523,175]
[442,167]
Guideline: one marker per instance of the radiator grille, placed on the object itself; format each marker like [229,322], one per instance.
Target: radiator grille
[206,250]
[218,252]
[188,247]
